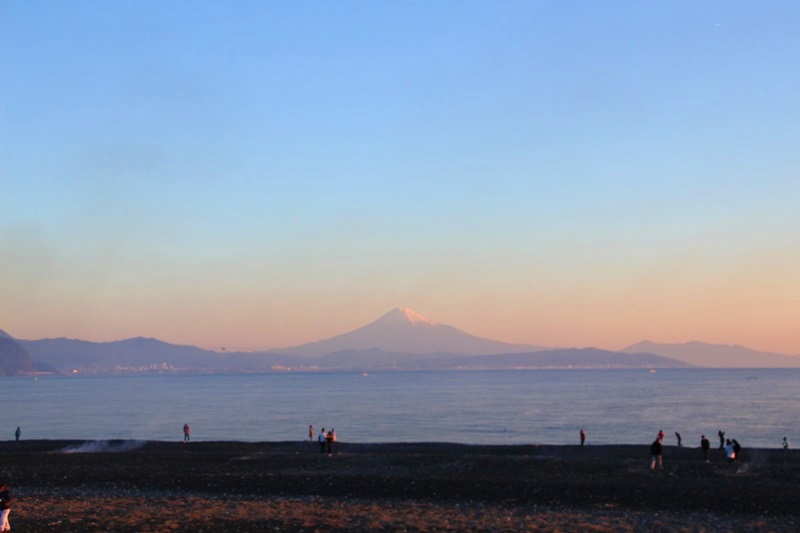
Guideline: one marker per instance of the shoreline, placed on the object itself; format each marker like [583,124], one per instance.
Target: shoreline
[244,486]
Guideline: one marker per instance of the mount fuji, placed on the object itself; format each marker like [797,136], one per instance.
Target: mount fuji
[402,330]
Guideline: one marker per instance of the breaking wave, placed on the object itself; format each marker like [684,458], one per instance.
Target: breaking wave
[105,446]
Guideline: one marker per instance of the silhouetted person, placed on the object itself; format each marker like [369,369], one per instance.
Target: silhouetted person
[17,433]
[321,439]
[737,449]
[680,441]
[311,433]
[656,451]
[721,439]
[187,431]
[785,443]
[661,434]
[706,447]
[583,437]
[329,442]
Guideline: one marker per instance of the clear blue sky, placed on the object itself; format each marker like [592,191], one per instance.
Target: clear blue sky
[260,174]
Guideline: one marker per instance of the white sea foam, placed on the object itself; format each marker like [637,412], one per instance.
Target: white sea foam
[105,446]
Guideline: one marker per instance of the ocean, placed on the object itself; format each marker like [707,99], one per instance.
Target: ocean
[758,407]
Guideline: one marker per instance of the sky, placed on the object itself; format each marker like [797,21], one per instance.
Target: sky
[258,175]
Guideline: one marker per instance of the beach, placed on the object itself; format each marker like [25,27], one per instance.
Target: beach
[290,486]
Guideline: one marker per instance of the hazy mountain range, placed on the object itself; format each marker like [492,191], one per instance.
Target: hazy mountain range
[716,355]
[399,340]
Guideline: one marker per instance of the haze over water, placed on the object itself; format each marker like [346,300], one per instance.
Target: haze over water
[757,407]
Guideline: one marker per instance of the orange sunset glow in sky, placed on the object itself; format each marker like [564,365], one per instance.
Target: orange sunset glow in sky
[258,175]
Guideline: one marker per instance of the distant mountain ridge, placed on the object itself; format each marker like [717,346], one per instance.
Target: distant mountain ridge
[399,340]
[140,353]
[716,355]
[375,359]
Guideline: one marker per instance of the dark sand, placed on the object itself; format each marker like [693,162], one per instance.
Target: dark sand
[233,486]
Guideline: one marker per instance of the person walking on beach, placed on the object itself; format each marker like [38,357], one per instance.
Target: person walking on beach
[706,447]
[583,437]
[5,508]
[311,433]
[321,440]
[656,451]
[721,439]
[680,441]
[17,433]
[187,431]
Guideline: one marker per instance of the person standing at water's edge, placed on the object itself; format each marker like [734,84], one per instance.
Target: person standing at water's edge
[329,442]
[321,440]
[705,445]
[17,433]
[5,508]
[721,439]
[186,433]
[583,437]
[656,451]
[311,433]
[785,443]
[680,440]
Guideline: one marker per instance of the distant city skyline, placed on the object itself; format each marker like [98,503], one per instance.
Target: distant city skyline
[258,176]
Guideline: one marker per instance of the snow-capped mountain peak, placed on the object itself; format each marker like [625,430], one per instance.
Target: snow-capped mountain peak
[406,316]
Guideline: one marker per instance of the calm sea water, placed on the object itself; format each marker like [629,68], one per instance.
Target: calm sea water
[757,407]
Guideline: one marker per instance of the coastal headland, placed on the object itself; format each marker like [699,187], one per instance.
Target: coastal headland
[141,486]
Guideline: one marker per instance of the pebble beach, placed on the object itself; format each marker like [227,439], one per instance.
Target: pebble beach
[128,486]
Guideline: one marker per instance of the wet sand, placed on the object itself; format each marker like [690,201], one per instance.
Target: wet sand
[234,486]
